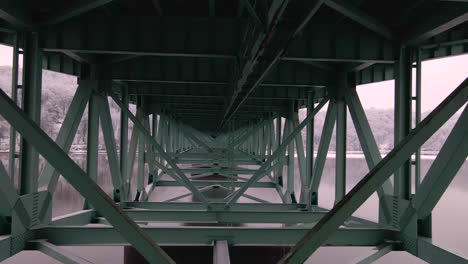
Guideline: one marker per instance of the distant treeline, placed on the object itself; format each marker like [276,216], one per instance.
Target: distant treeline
[58,90]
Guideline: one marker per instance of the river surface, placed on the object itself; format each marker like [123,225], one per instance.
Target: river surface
[449,217]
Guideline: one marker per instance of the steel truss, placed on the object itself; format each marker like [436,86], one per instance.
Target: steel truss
[198,123]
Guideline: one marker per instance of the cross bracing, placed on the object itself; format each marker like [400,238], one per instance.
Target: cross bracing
[217,87]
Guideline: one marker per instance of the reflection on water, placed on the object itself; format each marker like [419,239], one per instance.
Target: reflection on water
[448,219]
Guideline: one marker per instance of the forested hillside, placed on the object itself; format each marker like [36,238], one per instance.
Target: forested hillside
[58,90]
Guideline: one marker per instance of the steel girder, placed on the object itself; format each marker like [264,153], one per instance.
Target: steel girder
[78,179]
[75,235]
[378,175]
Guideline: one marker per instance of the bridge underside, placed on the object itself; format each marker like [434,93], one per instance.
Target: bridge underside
[218,86]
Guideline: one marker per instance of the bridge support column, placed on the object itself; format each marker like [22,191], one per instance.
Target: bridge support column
[32,79]
[403,90]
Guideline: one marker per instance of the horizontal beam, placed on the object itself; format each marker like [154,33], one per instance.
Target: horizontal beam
[204,235]
[146,215]
[273,91]
[214,206]
[182,37]
[359,16]
[76,9]
[15,13]
[378,175]
[235,184]
[445,17]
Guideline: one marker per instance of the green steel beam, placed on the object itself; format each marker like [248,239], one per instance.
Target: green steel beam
[451,157]
[107,130]
[92,144]
[340,146]
[306,187]
[205,235]
[278,152]
[12,203]
[324,144]
[368,145]
[272,91]
[222,183]
[75,9]
[124,141]
[215,206]
[377,176]
[359,16]
[382,250]
[55,252]
[14,96]
[79,180]
[365,135]
[403,119]
[31,94]
[118,31]
[15,13]
[82,217]
[49,176]
[445,17]
[160,150]
[433,254]
[224,216]
[273,42]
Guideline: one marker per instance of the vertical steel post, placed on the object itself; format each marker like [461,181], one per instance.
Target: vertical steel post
[32,79]
[340,166]
[402,187]
[290,186]
[155,173]
[417,165]
[14,97]
[92,148]
[309,150]
[124,140]
[279,171]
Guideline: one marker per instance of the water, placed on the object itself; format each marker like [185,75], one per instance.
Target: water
[448,219]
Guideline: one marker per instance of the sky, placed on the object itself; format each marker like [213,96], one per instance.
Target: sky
[439,78]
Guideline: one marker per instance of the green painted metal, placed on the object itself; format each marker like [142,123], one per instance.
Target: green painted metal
[378,175]
[57,253]
[161,151]
[109,140]
[441,173]
[275,155]
[198,235]
[323,149]
[78,179]
[341,129]
[431,253]
[124,141]
[403,113]
[382,250]
[214,78]
[49,176]
[14,97]
[32,80]
[93,141]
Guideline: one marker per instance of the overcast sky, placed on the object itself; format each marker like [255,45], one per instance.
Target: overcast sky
[439,78]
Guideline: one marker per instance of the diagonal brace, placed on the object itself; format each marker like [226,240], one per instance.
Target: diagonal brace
[377,176]
[80,181]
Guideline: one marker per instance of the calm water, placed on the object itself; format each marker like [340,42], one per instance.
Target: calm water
[448,220]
